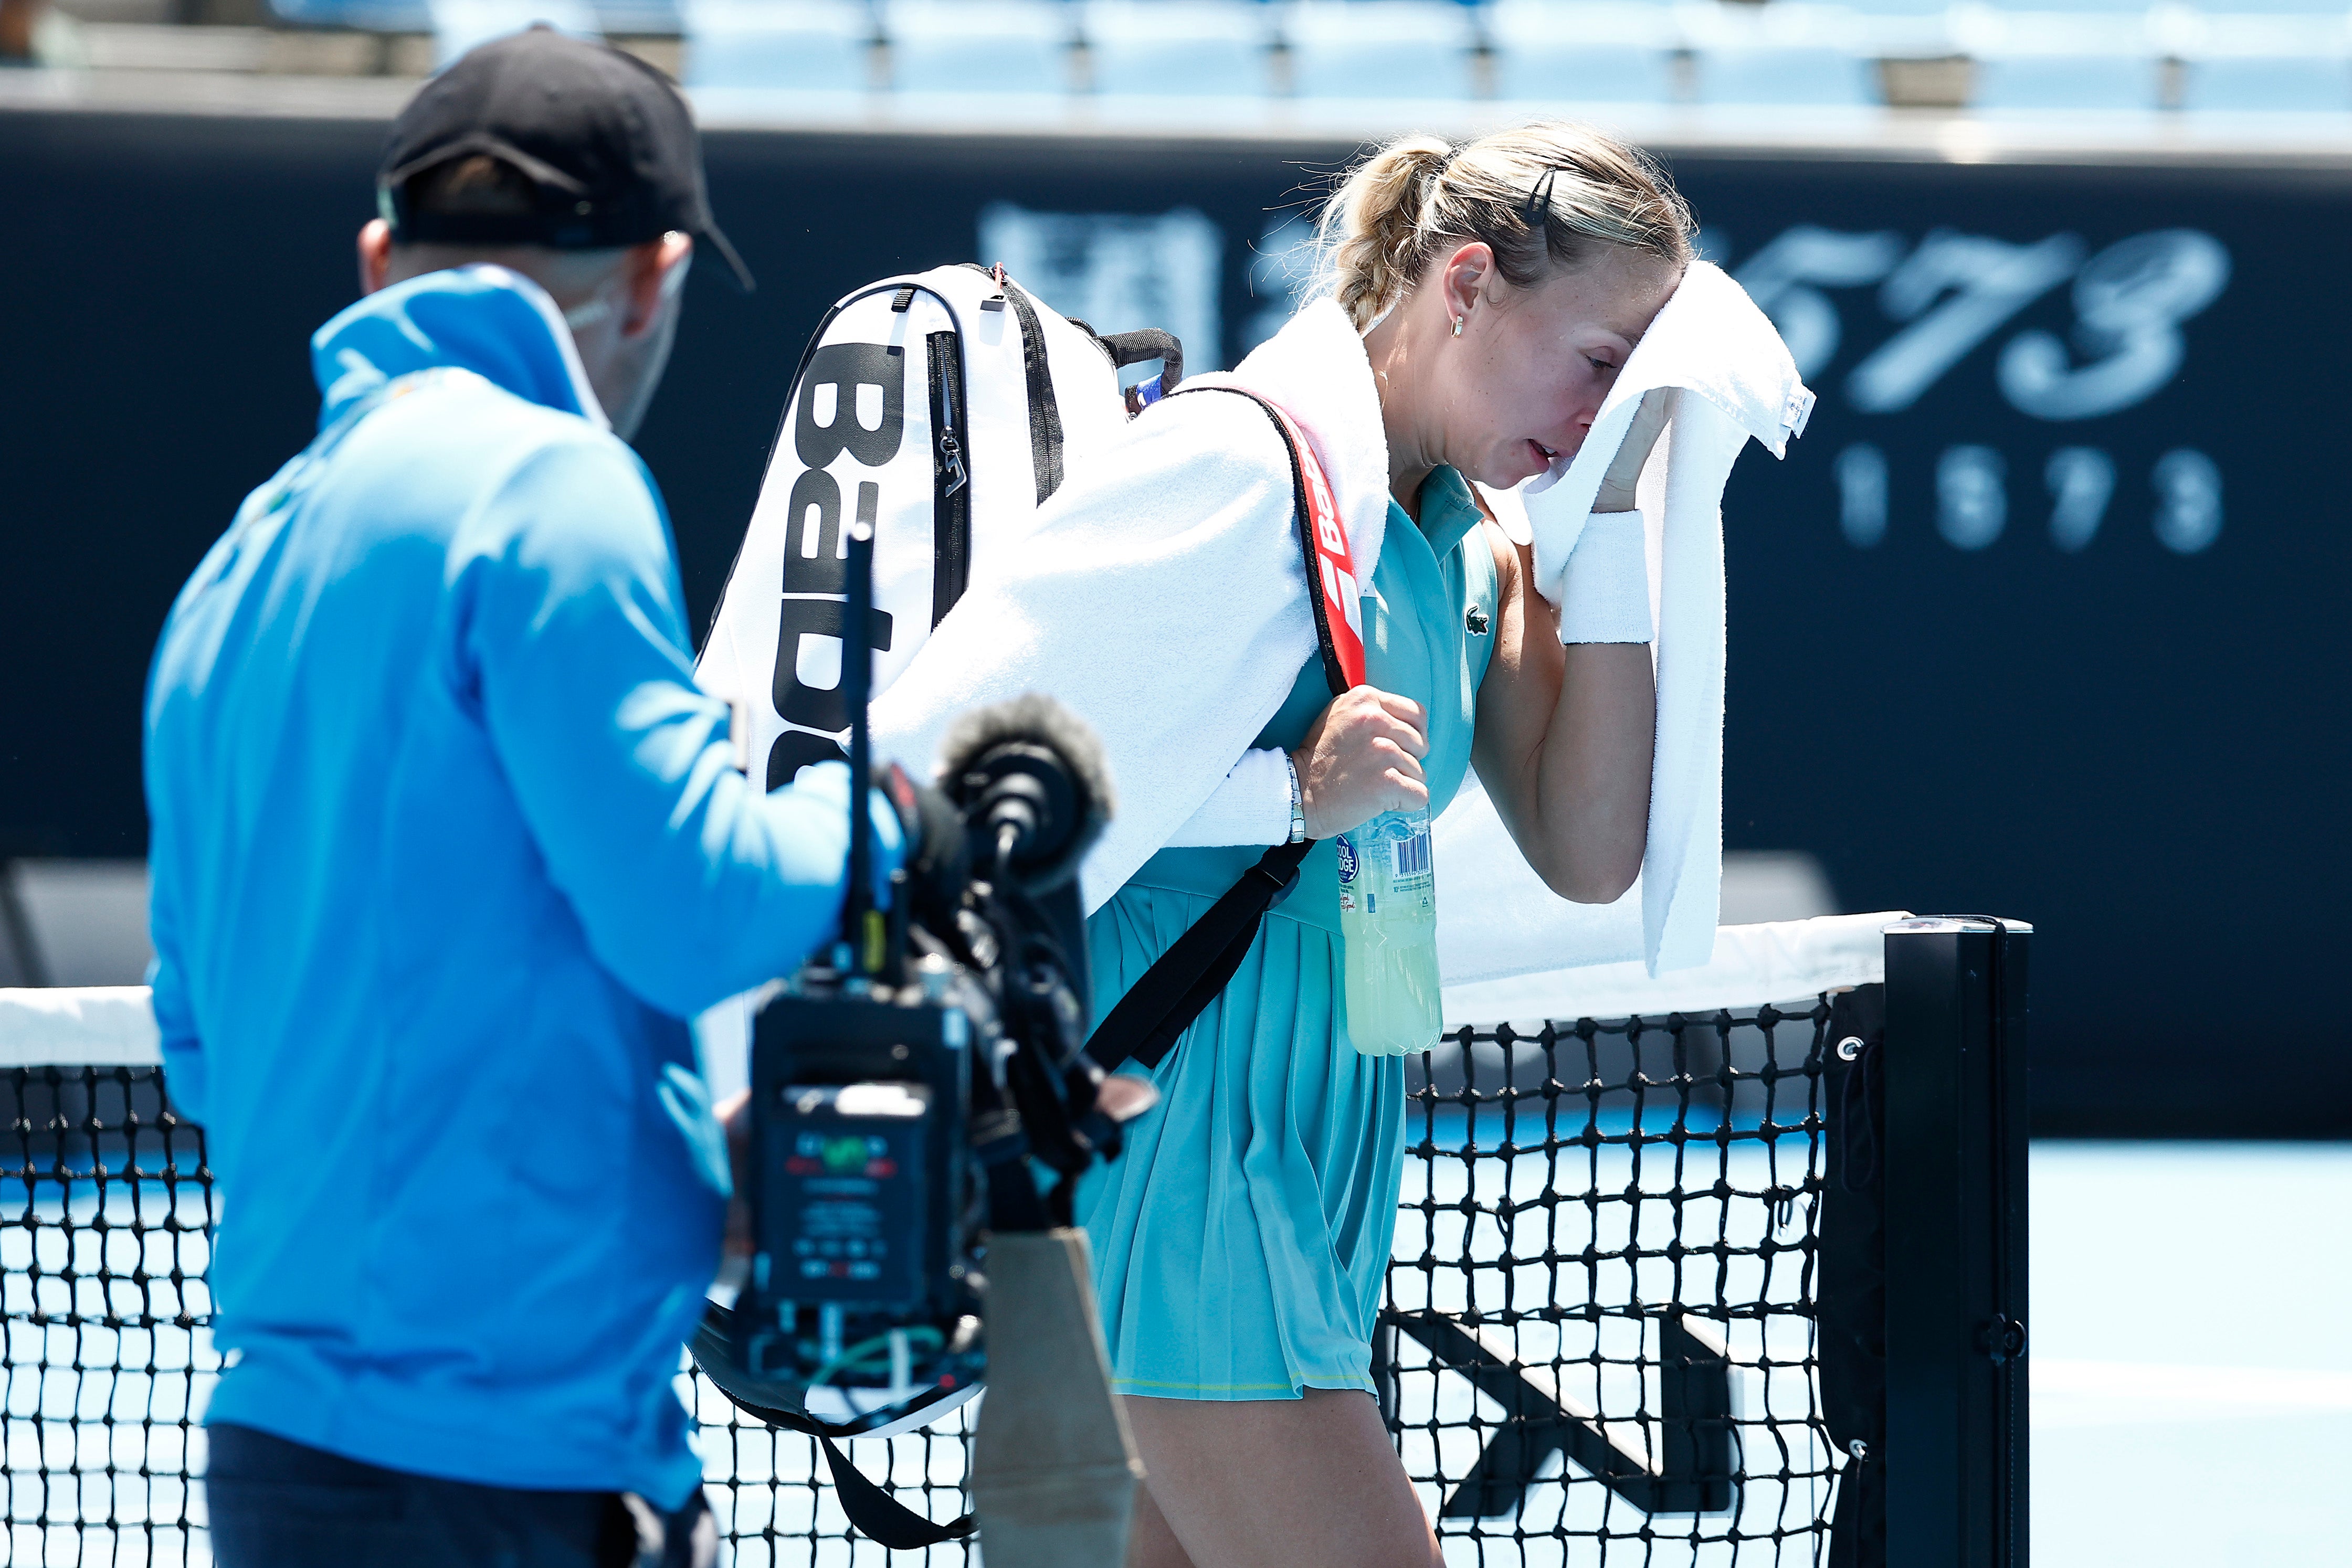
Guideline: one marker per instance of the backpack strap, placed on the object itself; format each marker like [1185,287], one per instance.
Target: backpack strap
[1181,983]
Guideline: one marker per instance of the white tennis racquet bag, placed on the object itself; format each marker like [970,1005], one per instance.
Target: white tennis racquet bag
[941,408]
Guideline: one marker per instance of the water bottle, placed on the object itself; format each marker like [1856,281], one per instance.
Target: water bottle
[1388,927]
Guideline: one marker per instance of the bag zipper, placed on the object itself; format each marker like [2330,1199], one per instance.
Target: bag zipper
[950,480]
[892,286]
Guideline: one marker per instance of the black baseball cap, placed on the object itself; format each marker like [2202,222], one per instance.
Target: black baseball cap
[603,139]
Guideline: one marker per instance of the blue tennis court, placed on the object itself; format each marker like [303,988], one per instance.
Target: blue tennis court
[2192,1370]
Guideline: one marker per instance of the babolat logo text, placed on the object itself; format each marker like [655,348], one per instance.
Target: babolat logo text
[851,413]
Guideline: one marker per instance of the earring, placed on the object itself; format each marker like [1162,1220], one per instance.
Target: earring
[1457,326]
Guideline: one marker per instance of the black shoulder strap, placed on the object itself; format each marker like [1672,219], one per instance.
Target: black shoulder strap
[869,1508]
[1181,983]
[881,1516]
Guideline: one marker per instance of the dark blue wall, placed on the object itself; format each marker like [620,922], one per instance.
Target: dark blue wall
[2141,745]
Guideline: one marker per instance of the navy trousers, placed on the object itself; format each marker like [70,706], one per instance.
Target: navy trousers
[278,1504]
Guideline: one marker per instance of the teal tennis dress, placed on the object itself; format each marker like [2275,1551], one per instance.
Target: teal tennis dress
[1241,1241]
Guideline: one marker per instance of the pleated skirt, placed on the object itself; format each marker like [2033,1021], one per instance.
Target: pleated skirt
[1242,1240]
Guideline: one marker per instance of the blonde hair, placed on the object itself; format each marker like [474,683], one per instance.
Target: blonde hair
[1543,196]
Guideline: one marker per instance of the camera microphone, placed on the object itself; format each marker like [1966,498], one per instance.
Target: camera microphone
[1033,784]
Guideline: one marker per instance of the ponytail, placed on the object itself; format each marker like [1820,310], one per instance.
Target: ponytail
[1543,196]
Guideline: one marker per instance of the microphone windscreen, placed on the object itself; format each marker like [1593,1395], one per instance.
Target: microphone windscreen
[1036,719]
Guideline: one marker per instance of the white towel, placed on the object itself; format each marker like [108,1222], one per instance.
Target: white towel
[1160,594]
[1730,377]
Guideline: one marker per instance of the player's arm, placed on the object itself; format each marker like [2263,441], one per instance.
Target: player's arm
[1564,739]
[690,883]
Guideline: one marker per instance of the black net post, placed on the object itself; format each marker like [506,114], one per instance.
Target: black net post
[1954,1156]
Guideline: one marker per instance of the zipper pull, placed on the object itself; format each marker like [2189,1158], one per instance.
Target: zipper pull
[951,462]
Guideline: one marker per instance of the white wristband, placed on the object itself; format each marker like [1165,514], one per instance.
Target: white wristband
[1250,805]
[1606,596]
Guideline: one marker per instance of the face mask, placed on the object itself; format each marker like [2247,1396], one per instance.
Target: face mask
[591,311]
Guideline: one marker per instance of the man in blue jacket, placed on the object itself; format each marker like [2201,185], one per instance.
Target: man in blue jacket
[447,847]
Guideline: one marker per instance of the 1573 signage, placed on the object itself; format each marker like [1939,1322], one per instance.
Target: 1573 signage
[1950,293]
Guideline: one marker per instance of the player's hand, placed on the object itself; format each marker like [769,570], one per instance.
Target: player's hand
[1362,757]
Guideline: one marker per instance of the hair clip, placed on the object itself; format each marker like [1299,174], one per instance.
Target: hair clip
[1539,201]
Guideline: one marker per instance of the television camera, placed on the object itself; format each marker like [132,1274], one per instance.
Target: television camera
[921,1086]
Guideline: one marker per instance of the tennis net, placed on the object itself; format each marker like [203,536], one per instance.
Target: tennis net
[1599,1344]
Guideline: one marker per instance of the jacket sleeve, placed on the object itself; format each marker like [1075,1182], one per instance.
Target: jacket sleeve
[175,1023]
[167,975]
[690,884]
[1252,806]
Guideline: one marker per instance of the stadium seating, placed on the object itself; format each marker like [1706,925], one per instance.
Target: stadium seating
[2280,60]
[2068,81]
[2311,83]
[1586,73]
[1385,50]
[969,47]
[1791,53]
[2032,56]
[778,44]
[459,25]
[1605,51]
[1802,75]
[1188,48]
[370,15]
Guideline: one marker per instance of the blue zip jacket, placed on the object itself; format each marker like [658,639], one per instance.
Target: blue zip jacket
[446,847]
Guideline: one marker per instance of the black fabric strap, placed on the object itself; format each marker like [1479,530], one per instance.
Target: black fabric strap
[1143,344]
[881,1516]
[1044,413]
[1181,982]
[869,1508]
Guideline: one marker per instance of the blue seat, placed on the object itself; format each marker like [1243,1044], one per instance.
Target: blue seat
[820,46]
[1911,7]
[1785,75]
[1585,73]
[2067,81]
[619,17]
[1379,48]
[367,15]
[978,46]
[1189,48]
[1577,51]
[2307,82]
[641,17]
[459,25]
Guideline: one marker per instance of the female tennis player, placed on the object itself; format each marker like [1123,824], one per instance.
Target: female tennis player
[1242,1239]
[1482,297]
